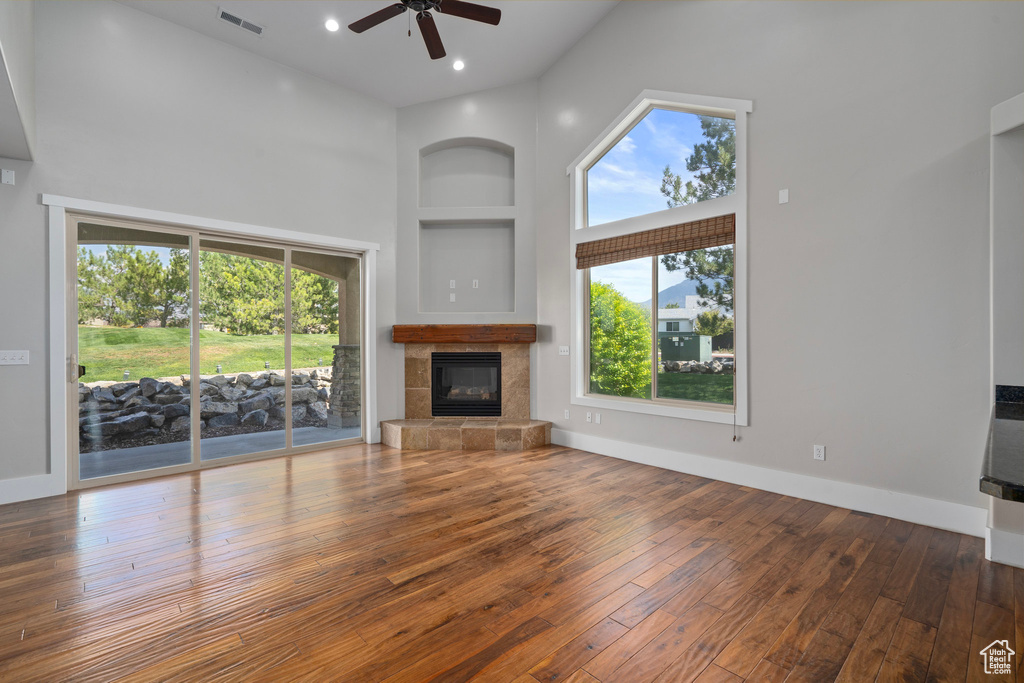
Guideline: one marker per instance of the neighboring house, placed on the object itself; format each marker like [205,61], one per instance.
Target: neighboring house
[681,319]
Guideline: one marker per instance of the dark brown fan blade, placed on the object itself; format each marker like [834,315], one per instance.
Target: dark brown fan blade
[430,35]
[469,10]
[376,18]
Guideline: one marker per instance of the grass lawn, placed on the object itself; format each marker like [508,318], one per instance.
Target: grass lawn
[107,352]
[689,387]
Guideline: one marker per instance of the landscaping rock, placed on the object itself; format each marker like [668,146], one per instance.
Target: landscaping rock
[260,383]
[181,424]
[157,420]
[121,387]
[322,394]
[167,399]
[232,394]
[149,386]
[256,417]
[210,409]
[129,394]
[244,379]
[298,412]
[219,380]
[101,394]
[261,402]
[318,409]
[124,424]
[226,420]
[276,380]
[84,394]
[303,395]
[175,410]
[207,389]
[137,402]
[300,378]
[277,393]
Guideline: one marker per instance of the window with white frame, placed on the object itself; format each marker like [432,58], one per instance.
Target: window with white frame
[659,217]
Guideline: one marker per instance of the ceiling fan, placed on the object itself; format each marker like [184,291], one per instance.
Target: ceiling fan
[456,8]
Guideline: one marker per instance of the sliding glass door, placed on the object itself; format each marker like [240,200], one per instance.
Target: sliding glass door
[194,349]
[242,345]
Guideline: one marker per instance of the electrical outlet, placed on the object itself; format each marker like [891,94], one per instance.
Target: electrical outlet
[13,357]
[819,452]
[597,418]
[590,416]
[451,284]
[7,177]
[563,350]
[566,413]
[451,297]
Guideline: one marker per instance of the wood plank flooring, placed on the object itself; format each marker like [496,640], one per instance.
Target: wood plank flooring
[371,564]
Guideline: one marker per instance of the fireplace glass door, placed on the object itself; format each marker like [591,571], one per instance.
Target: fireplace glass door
[466,384]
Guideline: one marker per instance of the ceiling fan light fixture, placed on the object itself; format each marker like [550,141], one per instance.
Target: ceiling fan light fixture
[458,65]
[332,25]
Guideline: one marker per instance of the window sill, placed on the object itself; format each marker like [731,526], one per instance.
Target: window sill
[704,412]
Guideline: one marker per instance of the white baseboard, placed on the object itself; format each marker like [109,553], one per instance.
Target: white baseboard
[27,488]
[941,514]
[1004,547]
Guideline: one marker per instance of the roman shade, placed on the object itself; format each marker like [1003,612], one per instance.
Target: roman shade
[710,232]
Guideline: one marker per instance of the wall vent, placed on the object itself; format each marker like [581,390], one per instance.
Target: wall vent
[240,22]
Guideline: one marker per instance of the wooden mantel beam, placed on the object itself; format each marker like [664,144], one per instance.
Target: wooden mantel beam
[464,334]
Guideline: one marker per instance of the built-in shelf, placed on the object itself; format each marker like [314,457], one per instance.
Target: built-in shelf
[467,217]
[466,214]
[467,172]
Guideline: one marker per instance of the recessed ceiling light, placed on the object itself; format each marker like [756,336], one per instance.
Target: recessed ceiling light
[331,25]
[458,65]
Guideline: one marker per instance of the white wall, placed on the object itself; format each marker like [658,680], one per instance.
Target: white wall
[135,111]
[875,116]
[17,82]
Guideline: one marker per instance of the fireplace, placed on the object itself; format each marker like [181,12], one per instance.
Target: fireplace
[465,384]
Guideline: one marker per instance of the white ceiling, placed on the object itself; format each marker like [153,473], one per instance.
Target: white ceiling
[383,62]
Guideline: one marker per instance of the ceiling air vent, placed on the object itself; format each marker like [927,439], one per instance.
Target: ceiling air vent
[241,23]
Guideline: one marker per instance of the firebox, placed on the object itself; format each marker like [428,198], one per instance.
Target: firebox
[465,384]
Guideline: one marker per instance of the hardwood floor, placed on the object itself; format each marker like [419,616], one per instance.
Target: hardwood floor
[371,564]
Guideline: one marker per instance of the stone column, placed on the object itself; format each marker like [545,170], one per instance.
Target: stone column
[345,387]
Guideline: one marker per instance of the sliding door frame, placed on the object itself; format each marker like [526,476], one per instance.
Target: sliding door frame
[65,214]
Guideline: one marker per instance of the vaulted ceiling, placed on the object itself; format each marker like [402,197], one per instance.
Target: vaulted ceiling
[384,62]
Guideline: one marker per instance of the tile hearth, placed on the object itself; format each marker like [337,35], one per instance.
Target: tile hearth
[453,434]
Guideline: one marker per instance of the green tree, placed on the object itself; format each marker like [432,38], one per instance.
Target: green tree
[172,296]
[93,287]
[672,305]
[712,323]
[135,276]
[713,165]
[241,295]
[620,344]
[314,303]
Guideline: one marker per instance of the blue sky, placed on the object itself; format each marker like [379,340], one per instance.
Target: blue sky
[626,182]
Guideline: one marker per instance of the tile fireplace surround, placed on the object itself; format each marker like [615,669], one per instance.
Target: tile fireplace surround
[514,430]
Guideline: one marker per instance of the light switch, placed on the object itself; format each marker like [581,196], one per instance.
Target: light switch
[451,297]
[13,357]
[476,284]
[451,284]
[563,350]
[6,177]
[784,196]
